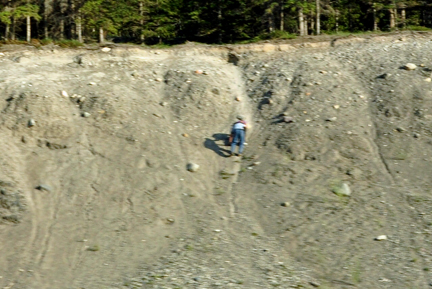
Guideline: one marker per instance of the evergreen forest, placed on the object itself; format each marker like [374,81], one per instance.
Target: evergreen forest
[207,21]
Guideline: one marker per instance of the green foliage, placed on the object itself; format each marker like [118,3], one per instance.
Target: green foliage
[5,17]
[277,35]
[46,41]
[27,10]
[417,28]
[215,21]
[16,42]
[68,43]
[97,14]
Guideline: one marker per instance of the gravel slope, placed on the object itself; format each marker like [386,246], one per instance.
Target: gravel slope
[95,192]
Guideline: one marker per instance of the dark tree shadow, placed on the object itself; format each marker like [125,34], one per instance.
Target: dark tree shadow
[212,145]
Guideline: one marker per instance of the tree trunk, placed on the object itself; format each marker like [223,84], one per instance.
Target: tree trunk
[28,24]
[101,35]
[46,35]
[62,28]
[13,29]
[375,20]
[392,18]
[282,16]
[312,24]
[7,32]
[73,34]
[305,26]
[318,18]
[79,27]
[141,9]
[403,17]
[271,22]
[301,22]
[337,21]
[219,22]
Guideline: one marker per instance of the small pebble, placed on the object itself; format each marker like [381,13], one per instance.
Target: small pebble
[381,238]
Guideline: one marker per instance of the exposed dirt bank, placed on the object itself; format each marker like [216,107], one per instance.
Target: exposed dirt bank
[95,191]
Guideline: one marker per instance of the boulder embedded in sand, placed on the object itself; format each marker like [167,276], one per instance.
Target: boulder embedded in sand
[192,167]
[410,66]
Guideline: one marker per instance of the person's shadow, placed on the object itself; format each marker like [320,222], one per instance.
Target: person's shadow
[212,145]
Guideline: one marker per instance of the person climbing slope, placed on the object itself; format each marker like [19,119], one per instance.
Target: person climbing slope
[238,135]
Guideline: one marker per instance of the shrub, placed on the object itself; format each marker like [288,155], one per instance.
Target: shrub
[69,43]
[417,28]
[46,41]
[277,34]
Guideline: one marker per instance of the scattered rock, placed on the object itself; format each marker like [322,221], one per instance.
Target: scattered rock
[31,123]
[323,72]
[355,173]
[288,119]
[106,49]
[233,58]
[92,83]
[185,135]
[385,76]
[410,66]
[199,72]
[342,190]
[285,204]
[331,119]
[336,106]
[64,94]
[164,103]
[428,79]
[159,79]
[85,114]
[43,187]
[381,238]
[192,167]
[238,98]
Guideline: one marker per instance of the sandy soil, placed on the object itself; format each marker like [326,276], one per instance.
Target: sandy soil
[94,190]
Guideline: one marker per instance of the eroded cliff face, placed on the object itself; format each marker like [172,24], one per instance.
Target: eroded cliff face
[95,192]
